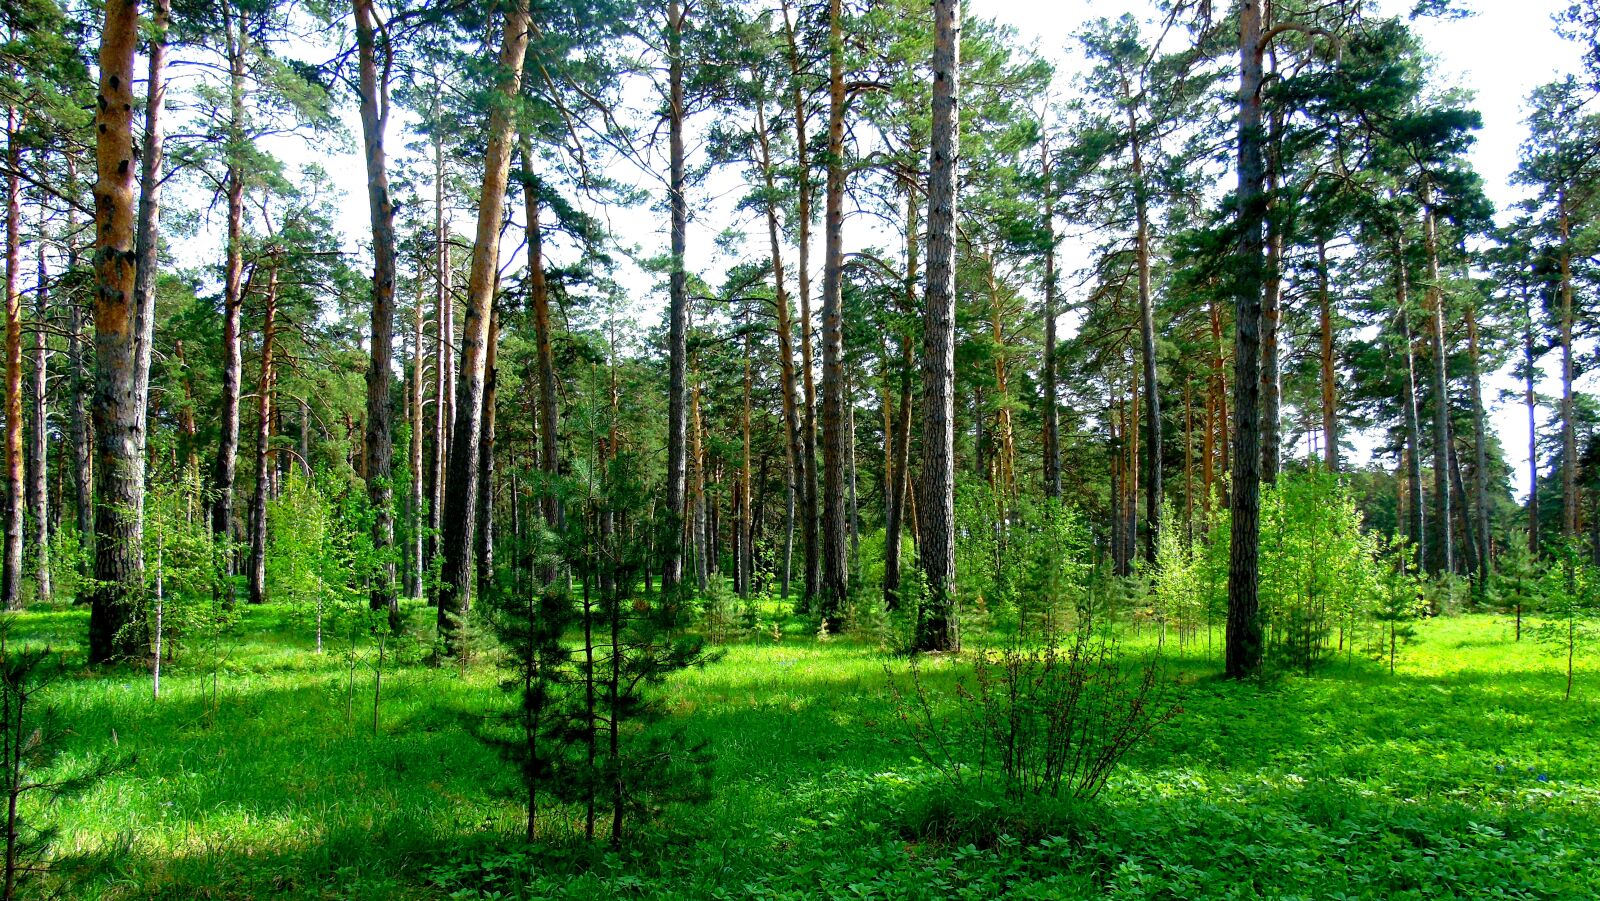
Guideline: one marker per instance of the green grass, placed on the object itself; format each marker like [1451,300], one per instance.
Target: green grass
[1346,784]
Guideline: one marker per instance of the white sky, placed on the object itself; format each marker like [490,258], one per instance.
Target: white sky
[1500,53]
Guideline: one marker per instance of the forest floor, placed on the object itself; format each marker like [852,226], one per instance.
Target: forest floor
[261,774]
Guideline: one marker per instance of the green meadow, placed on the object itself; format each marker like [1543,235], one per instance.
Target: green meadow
[262,772]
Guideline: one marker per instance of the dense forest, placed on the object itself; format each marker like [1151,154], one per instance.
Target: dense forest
[1045,480]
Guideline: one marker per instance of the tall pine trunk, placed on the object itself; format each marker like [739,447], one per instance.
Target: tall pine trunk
[118,570]
[799,463]
[256,568]
[808,496]
[1153,483]
[461,496]
[1530,398]
[1480,452]
[1244,645]
[539,291]
[1330,378]
[678,309]
[898,478]
[491,384]
[374,89]
[224,469]
[1569,433]
[1052,417]
[1408,402]
[15,508]
[38,436]
[78,406]
[835,553]
[1442,560]
[938,625]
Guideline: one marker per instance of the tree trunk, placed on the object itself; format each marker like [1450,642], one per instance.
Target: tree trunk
[808,496]
[485,536]
[898,480]
[835,562]
[1330,409]
[1443,558]
[1153,484]
[1569,434]
[548,411]
[39,436]
[1531,399]
[1052,426]
[938,625]
[444,390]
[799,462]
[225,468]
[678,311]
[1244,636]
[1413,433]
[257,568]
[15,509]
[1458,491]
[374,89]
[1271,316]
[118,570]
[746,562]
[82,441]
[461,498]
[418,520]
[1480,453]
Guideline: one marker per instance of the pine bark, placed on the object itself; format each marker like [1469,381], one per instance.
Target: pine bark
[374,90]
[39,432]
[16,503]
[938,625]
[113,618]
[491,384]
[1153,482]
[1480,452]
[1052,422]
[678,308]
[1244,645]
[548,410]
[1530,398]
[808,496]
[835,554]
[1442,559]
[461,496]
[224,469]
[256,568]
[898,478]
[1569,433]
[78,418]
[1330,383]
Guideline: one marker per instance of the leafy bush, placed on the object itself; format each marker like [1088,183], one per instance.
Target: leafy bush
[1051,721]
[317,553]
[1570,587]
[1029,558]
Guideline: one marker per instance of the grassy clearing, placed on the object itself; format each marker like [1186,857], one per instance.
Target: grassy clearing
[1463,776]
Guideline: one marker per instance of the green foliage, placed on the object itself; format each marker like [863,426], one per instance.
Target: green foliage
[184,569]
[1399,602]
[1051,720]
[1024,557]
[1571,589]
[317,554]
[33,774]
[1318,567]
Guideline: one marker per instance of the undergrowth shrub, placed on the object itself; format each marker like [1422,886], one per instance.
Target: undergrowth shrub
[1026,560]
[1051,720]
